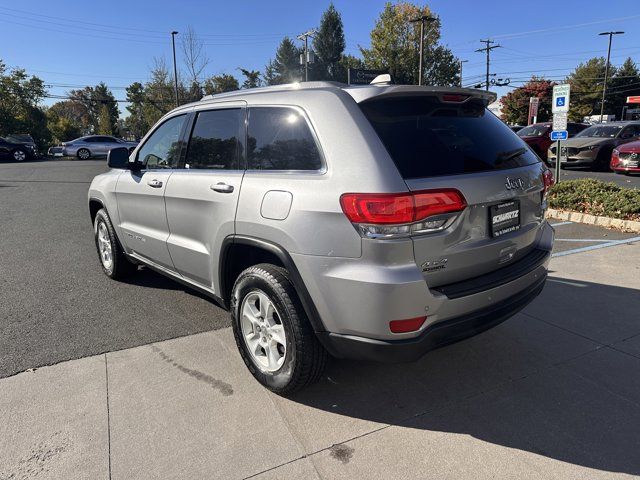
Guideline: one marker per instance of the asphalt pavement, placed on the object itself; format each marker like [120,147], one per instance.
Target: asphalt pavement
[55,303]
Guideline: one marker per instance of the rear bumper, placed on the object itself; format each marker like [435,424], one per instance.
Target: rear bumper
[436,335]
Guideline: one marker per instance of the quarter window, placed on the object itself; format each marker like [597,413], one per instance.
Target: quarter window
[280,139]
[162,148]
[215,140]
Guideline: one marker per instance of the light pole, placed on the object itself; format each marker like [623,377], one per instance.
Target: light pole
[422,19]
[175,68]
[488,49]
[606,70]
[460,62]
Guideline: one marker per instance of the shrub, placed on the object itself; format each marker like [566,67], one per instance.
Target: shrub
[596,198]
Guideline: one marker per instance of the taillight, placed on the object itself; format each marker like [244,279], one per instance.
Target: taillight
[393,214]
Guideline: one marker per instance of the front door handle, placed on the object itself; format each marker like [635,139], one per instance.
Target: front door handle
[154,183]
[222,188]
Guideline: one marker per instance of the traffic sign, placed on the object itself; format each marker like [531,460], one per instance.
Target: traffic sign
[559,135]
[560,102]
[633,99]
[559,121]
[361,76]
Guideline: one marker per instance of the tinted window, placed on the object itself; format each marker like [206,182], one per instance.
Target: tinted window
[427,138]
[534,131]
[162,148]
[280,139]
[215,140]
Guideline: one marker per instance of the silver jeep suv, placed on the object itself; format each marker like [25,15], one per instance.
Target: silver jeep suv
[370,222]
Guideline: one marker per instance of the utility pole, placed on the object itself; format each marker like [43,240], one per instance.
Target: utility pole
[304,37]
[606,70]
[460,62]
[488,49]
[422,19]
[175,68]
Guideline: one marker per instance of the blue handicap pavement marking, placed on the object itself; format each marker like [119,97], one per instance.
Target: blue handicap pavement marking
[559,135]
[560,102]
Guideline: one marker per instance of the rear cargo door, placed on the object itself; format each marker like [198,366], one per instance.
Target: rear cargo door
[438,144]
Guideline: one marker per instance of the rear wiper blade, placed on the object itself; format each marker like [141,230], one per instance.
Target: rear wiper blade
[506,156]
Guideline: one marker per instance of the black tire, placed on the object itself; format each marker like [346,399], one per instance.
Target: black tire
[83,154]
[120,266]
[19,155]
[305,359]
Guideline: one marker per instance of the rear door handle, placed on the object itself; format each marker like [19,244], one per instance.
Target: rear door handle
[222,188]
[154,183]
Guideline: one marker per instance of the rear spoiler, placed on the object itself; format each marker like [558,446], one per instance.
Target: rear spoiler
[446,94]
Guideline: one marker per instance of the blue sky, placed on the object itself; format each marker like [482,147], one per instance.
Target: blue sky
[76,43]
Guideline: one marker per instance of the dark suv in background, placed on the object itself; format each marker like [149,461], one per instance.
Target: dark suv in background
[14,148]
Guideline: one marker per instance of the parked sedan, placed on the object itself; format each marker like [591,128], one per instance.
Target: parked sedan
[94,146]
[594,146]
[626,158]
[537,136]
[15,150]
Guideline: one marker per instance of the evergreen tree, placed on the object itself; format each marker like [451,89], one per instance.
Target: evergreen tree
[625,83]
[586,83]
[220,83]
[329,45]
[286,66]
[251,78]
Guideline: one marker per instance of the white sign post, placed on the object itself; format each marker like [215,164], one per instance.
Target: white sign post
[560,110]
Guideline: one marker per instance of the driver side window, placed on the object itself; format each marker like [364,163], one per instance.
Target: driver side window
[162,148]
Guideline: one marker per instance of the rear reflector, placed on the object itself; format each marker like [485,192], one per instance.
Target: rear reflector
[404,326]
[400,208]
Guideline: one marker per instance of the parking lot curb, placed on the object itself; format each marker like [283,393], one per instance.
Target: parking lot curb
[624,225]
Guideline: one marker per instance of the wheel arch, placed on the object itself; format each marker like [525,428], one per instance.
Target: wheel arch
[95,204]
[239,252]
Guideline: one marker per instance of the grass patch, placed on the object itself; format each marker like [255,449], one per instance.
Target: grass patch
[596,197]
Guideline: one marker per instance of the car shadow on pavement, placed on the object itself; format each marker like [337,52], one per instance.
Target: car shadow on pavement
[146,277]
[543,382]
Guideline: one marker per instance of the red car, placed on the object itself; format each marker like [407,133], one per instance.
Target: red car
[537,136]
[626,158]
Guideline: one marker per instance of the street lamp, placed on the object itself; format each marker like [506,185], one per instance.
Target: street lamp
[422,19]
[606,70]
[175,68]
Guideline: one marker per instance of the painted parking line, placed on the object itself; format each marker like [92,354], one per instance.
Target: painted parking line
[559,224]
[613,243]
[586,240]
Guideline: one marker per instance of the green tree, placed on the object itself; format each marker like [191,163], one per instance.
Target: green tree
[220,83]
[329,45]
[62,129]
[625,83]
[20,96]
[90,101]
[515,105]
[586,88]
[251,78]
[286,66]
[395,43]
[104,122]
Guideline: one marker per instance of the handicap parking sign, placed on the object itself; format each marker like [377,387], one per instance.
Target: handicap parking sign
[560,101]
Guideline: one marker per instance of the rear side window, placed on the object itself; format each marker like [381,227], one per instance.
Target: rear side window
[279,138]
[427,138]
[215,141]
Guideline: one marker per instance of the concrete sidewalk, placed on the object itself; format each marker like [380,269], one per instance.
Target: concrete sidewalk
[552,393]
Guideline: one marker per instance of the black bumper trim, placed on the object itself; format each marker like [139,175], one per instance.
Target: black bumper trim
[494,279]
[435,336]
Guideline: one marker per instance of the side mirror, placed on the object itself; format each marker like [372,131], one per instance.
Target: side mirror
[118,158]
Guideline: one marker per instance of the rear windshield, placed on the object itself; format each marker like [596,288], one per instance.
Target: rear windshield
[427,138]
